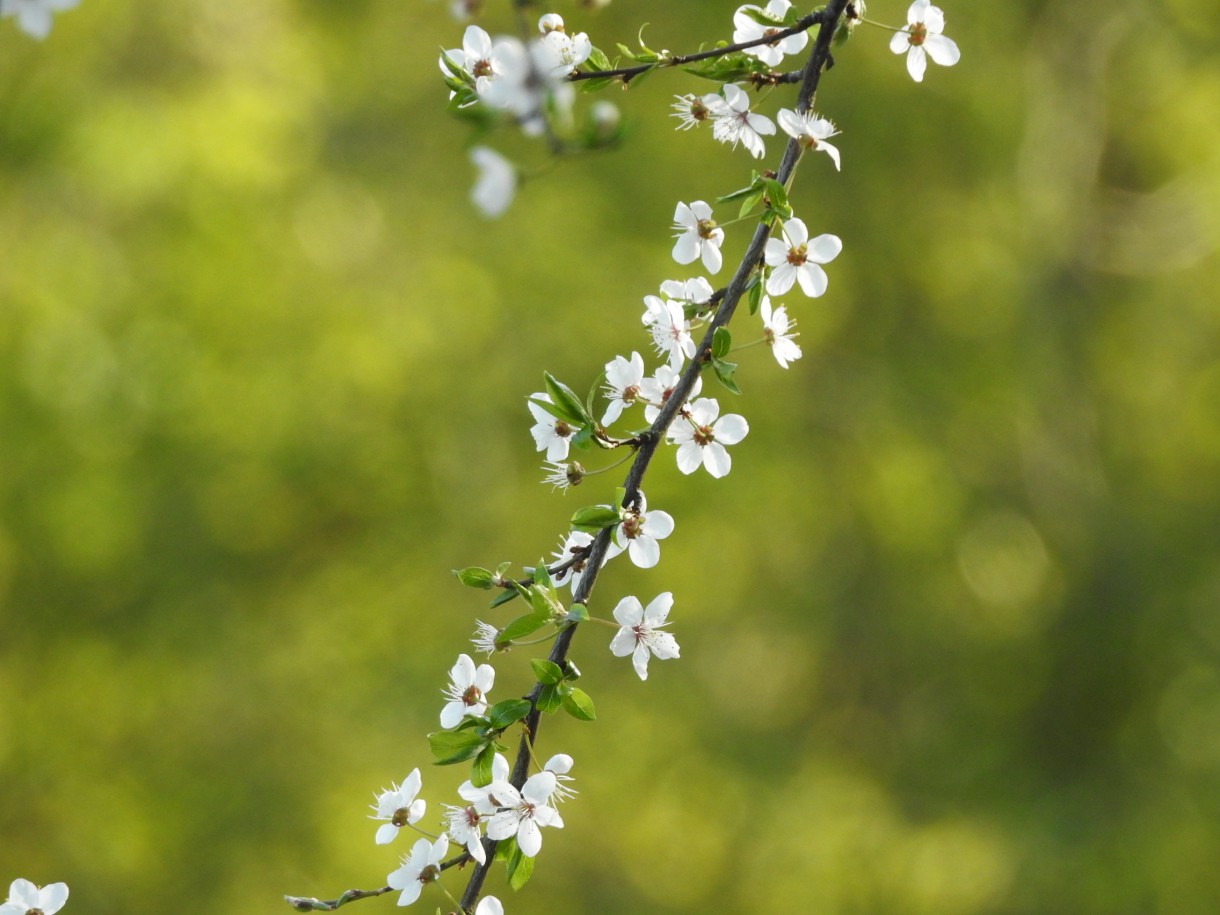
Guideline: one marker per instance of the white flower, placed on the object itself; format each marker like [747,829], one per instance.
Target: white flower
[478,797]
[550,22]
[560,765]
[484,639]
[419,869]
[796,259]
[698,236]
[562,474]
[810,131]
[24,896]
[638,534]
[775,331]
[670,330]
[747,29]
[701,437]
[526,81]
[657,389]
[566,53]
[496,184]
[696,290]
[399,808]
[463,828]
[467,691]
[623,379]
[551,434]
[925,23]
[575,546]
[734,123]
[521,813]
[489,905]
[473,57]
[34,18]
[642,635]
[693,110]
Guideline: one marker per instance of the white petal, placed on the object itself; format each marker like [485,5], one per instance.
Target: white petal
[917,62]
[832,151]
[386,833]
[529,838]
[942,50]
[824,248]
[462,673]
[489,905]
[717,460]
[690,456]
[660,524]
[900,42]
[452,714]
[629,612]
[776,252]
[731,429]
[623,643]
[701,209]
[644,552]
[796,232]
[812,279]
[711,257]
[665,646]
[686,248]
[658,608]
[639,661]
[781,278]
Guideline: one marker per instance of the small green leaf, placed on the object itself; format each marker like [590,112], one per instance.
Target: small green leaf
[504,598]
[547,672]
[776,195]
[475,577]
[502,714]
[578,704]
[756,291]
[541,576]
[724,374]
[480,772]
[595,517]
[566,402]
[578,613]
[549,699]
[520,868]
[523,626]
[597,60]
[749,203]
[571,671]
[450,747]
[722,342]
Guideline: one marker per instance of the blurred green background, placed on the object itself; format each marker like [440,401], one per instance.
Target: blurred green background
[950,629]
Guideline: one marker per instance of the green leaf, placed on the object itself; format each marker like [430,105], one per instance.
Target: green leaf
[504,597]
[756,291]
[571,671]
[777,196]
[597,60]
[749,203]
[578,704]
[475,577]
[541,576]
[520,868]
[504,713]
[523,626]
[578,613]
[566,402]
[547,672]
[724,373]
[593,518]
[549,699]
[546,603]
[450,747]
[722,342]
[480,772]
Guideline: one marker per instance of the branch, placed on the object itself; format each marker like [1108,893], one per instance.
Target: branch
[818,59]
[626,74]
[309,904]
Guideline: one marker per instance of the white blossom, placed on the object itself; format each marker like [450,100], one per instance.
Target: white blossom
[419,869]
[657,389]
[696,290]
[496,184]
[399,807]
[24,897]
[489,905]
[666,323]
[922,39]
[551,434]
[638,534]
[698,236]
[463,827]
[467,691]
[623,377]
[560,765]
[796,259]
[692,110]
[562,474]
[573,542]
[734,123]
[747,29]
[642,635]
[521,813]
[484,638]
[34,18]
[776,325]
[810,131]
[701,437]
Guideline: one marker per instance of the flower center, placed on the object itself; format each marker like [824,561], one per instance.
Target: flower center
[482,68]
[630,393]
[401,816]
[562,429]
[706,227]
[429,874]
[919,32]
[698,110]
[797,256]
[472,696]
[633,525]
[704,436]
[472,817]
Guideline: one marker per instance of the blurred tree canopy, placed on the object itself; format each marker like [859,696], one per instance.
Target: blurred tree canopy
[950,629]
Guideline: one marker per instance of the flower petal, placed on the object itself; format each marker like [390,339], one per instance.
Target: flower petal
[731,429]
[717,460]
[812,279]
[942,50]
